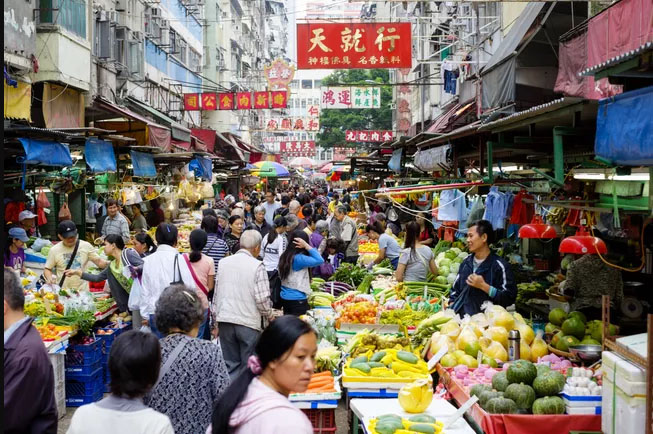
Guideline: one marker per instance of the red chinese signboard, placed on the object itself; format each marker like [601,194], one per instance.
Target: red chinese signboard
[209,101]
[261,100]
[244,100]
[297,149]
[279,99]
[368,136]
[191,101]
[226,101]
[354,45]
[289,124]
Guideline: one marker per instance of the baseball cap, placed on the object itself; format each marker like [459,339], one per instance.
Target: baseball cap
[27,214]
[67,229]
[19,233]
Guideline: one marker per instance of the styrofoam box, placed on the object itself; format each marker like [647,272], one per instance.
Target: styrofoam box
[58,366]
[621,413]
[629,378]
[581,401]
[583,410]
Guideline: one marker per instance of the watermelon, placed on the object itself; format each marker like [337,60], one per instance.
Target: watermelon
[522,394]
[500,381]
[477,389]
[573,327]
[565,342]
[501,405]
[549,405]
[557,316]
[484,397]
[521,371]
[549,383]
[580,315]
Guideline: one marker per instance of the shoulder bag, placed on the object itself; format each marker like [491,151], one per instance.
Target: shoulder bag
[175,271]
[168,364]
[70,262]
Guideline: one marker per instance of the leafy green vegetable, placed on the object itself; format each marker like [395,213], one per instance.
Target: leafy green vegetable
[83,319]
[350,274]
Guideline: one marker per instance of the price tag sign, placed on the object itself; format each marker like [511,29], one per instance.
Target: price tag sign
[436,358]
[463,408]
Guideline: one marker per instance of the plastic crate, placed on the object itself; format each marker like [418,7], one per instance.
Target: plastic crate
[85,385]
[82,371]
[78,401]
[323,421]
[107,339]
[84,355]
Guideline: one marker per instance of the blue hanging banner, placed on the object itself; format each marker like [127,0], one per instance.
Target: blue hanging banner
[143,164]
[202,166]
[99,155]
[395,162]
[46,152]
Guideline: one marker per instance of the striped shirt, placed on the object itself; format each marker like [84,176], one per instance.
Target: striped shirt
[117,225]
[215,248]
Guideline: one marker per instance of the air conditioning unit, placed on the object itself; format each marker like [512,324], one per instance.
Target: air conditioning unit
[102,15]
[220,65]
[198,68]
[165,25]
[113,16]
[225,15]
[165,38]
[155,12]
[138,36]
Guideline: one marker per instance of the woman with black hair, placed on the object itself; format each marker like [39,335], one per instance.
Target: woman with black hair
[144,244]
[482,276]
[134,364]
[415,260]
[272,247]
[427,234]
[119,285]
[215,248]
[232,238]
[249,212]
[294,266]
[388,246]
[202,269]
[257,401]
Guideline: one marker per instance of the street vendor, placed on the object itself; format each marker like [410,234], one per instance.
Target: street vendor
[483,276]
[588,277]
[388,246]
[60,258]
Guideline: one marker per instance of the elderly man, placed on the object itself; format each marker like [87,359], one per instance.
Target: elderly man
[241,304]
[26,221]
[115,223]
[259,223]
[270,207]
[347,231]
[295,209]
[30,406]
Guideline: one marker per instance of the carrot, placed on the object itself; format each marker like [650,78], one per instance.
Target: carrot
[319,383]
[322,374]
[322,389]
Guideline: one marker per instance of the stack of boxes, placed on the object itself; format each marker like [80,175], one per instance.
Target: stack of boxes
[624,396]
[84,380]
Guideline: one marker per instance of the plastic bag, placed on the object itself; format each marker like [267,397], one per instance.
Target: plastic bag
[467,336]
[39,243]
[42,199]
[64,212]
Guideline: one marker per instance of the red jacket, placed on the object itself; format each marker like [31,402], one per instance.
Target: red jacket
[30,406]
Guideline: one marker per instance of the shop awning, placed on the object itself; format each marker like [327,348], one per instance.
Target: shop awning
[179,132]
[624,133]
[148,134]
[48,153]
[207,137]
[18,101]
[99,155]
[143,164]
[447,120]
[533,112]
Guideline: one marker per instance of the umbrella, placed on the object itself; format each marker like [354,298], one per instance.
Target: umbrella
[335,174]
[304,162]
[326,168]
[269,169]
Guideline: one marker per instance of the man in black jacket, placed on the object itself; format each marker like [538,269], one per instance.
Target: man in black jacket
[482,276]
[29,401]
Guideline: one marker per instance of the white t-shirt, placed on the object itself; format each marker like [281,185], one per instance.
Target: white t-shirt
[94,419]
[272,252]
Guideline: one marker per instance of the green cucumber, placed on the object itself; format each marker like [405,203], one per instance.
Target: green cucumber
[361,366]
[407,357]
[378,356]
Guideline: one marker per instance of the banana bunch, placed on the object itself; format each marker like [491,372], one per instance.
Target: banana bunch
[320,299]
[557,216]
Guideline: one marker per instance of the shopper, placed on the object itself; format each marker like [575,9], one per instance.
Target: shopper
[119,285]
[160,270]
[134,366]
[310,226]
[348,233]
[295,208]
[132,268]
[482,276]
[249,212]
[259,223]
[29,404]
[203,271]
[270,205]
[319,236]
[15,250]
[241,302]
[232,238]
[115,223]
[144,244]
[26,221]
[71,253]
[332,256]
[156,216]
[427,236]
[257,401]
[388,246]
[138,222]
[223,223]
[191,363]
[415,260]
[294,266]
[273,245]
[215,248]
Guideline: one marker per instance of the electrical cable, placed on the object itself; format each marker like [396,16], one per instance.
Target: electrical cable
[643,251]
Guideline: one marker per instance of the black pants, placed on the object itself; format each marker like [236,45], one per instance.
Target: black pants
[350,259]
[294,307]
[275,288]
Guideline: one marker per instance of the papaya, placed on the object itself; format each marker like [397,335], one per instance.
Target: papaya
[361,366]
[424,418]
[378,356]
[360,359]
[407,357]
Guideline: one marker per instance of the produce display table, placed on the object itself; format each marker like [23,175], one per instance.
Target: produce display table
[367,409]
[518,423]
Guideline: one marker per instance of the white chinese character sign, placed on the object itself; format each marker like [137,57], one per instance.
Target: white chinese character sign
[350,97]
[373,136]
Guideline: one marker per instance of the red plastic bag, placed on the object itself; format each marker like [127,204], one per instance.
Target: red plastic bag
[64,212]
[41,219]
[42,200]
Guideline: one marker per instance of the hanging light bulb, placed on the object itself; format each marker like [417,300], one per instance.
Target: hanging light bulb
[537,229]
[583,243]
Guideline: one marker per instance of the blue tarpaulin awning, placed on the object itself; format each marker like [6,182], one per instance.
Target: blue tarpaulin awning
[624,128]
[202,166]
[46,152]
[99,155]
[143,164]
